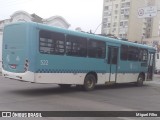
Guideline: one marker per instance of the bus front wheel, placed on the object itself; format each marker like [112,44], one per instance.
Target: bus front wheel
[140,80]
[89,82]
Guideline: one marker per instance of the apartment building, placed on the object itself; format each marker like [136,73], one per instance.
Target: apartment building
[154,38]
[120,17]
[156,20]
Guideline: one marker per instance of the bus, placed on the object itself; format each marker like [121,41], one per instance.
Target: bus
[40,53]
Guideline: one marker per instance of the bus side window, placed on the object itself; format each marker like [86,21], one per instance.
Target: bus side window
[51,42]
[124,52]
[133,53]
[143,55]
[76,46]
[96,49]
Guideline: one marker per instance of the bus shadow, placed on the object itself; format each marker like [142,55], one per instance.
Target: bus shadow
[43,91]
[118,86]
[58,90]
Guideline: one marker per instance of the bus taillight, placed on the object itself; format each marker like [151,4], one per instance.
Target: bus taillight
[26,65]
[13,66]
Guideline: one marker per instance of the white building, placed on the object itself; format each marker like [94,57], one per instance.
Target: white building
[57,21]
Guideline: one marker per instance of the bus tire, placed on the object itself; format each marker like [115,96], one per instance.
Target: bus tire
[140,80]
[89,82]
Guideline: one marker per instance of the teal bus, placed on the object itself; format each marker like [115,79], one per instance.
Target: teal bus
[40,53]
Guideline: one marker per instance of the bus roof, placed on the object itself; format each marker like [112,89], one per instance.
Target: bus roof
[83,34]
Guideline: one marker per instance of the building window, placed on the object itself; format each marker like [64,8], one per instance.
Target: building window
[114,29]
[121,23]
[127,4]
[106,7]
[104,25]
[109,25]
[105,19]
[126,17]
[122,5]
[125,23]
[109,13]
[116,5]
[116,11]
[122,11]
[114,25]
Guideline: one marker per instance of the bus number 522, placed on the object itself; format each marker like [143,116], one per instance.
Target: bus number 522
[44,62]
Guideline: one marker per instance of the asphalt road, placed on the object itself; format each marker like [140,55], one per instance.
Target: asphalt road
[25,96]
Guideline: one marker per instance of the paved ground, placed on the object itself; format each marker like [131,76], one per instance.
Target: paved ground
[24,96]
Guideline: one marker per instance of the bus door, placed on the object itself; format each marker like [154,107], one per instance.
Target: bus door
[112,62]
[151,63]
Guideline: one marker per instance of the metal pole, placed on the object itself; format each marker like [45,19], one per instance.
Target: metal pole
[97,27]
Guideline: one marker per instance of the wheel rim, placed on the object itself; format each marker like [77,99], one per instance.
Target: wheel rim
[140,81]
[90,83]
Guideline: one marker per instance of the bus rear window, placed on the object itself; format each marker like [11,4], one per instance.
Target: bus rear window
[51,42]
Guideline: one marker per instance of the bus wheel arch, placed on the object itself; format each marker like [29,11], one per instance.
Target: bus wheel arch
[140,79]
[90,81]
[93,73]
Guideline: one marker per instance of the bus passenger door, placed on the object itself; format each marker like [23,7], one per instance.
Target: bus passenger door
[112,63]
[151,64]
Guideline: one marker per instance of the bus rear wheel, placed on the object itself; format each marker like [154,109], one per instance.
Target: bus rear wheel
[89,82]
[140,80]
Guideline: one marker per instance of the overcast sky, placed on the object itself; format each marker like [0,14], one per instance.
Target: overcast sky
[86,14]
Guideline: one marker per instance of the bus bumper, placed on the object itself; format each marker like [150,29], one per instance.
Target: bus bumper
[27,76]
